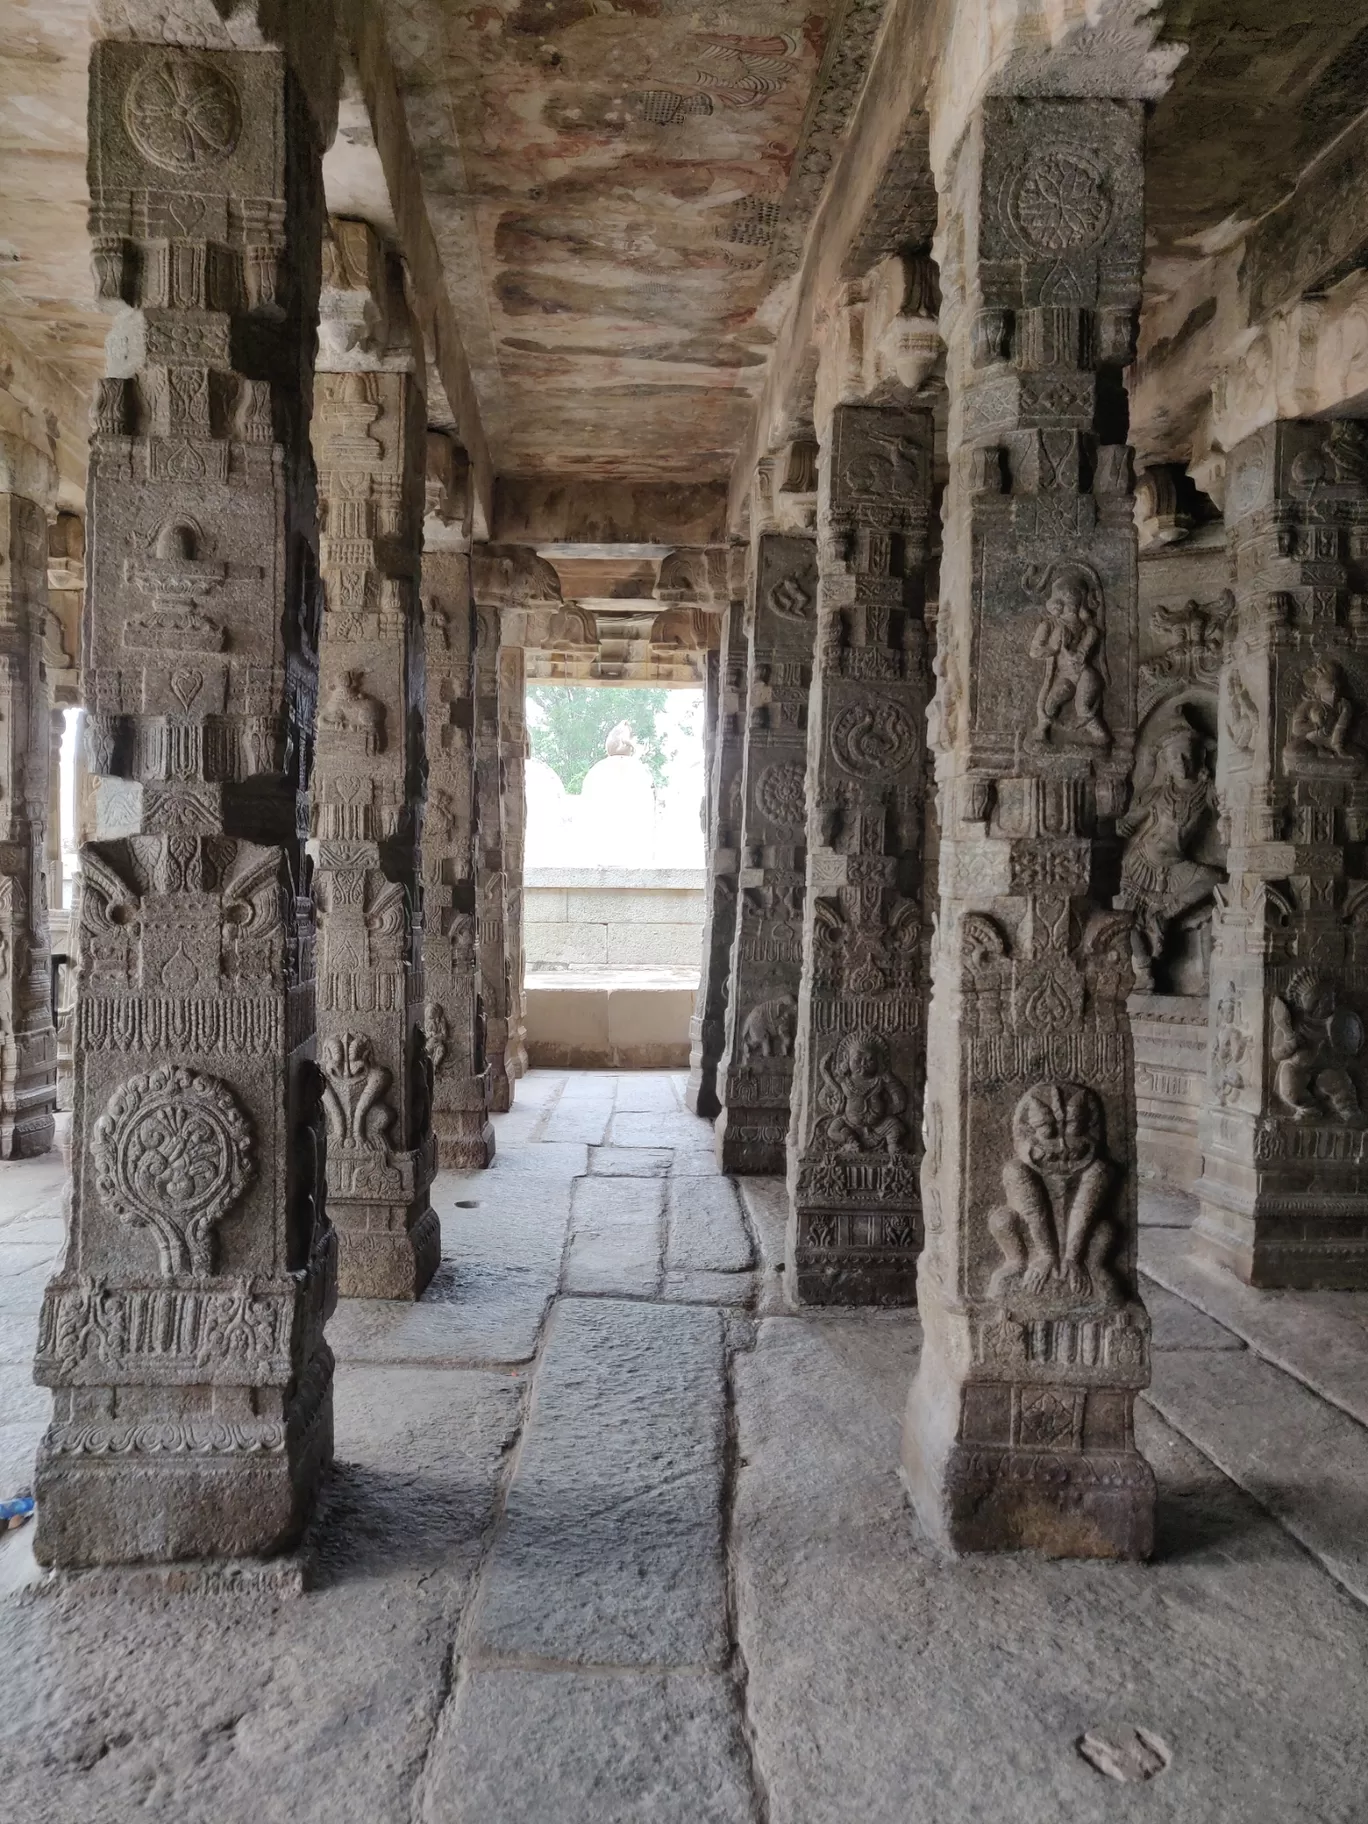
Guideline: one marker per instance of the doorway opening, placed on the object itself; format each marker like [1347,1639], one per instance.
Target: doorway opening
[614,874]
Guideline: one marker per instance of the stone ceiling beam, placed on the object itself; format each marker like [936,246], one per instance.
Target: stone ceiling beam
[608,515]
[886,142]
[1273,326]
[364,29]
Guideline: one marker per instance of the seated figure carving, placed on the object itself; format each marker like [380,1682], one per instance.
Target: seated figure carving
[864,1099]
[1322,725]
[349,710]
[1160,882]
[1310,1041]
[1052,1230]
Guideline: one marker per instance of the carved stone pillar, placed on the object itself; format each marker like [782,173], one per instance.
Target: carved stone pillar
[767,952]
[28,1039]
[183,1333]
[513,744]
[1019,1425]
[53,852]
[454,1015]
[855,1227]
[369,438]
[1284,1191]
[513,590]
[490,882]
[707,1028]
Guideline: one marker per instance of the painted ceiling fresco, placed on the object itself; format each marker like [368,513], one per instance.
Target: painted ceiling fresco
[620,189]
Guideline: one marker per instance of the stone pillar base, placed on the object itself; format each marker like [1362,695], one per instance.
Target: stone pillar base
[849,1276]
[227,1482]
[700,1093]
[751,1142]
[500,1088]
[467,1148]
[1092,1502]
[1298,1250]
[29,1136]
[386,1263]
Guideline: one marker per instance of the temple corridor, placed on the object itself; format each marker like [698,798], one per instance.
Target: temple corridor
[613,1534]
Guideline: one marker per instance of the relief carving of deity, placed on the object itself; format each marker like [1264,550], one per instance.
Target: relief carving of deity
[349,710]
[1311,1039]
[1228,1049]
[864,1100]
[1068,641]
[1322,725]
[1174,807]
[1052,1230]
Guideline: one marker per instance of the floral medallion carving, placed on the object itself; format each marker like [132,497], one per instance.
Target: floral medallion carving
[1058,201]
[173,1152]
[782,794]
[873,738]
[182,113]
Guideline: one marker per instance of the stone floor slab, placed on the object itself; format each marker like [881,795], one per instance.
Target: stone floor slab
[647,1093]
[687,1132]
[1162,1207]
[614,1748]
[610,1551]
[1179,1325]
[184,1709]
[630,1162]
[707,1230]
[688,1286]
[1321,1337]
[1302,1459]
[582,1121]
[888,1685]
[469,1316]
[695,1162]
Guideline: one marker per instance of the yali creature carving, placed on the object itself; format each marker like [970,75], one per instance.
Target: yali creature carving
[1053,1231]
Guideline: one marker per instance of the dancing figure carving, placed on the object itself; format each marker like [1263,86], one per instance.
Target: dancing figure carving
[864,1099]
[1068,639]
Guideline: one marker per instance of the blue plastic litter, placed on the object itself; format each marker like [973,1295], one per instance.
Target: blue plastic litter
[19,1509]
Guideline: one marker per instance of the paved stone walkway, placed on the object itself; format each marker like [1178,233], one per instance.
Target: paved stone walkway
[614,1536]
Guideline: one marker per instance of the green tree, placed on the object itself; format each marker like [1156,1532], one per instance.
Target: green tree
[568,724]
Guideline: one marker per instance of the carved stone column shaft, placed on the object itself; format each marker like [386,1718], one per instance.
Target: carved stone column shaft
[1284,1132]
[455,1015]
[369,436]
[1019,1425]
[513,743]
[855,1227]
[490,876]
[707,1028]
[762,1001]
[183,1333]
[28,1040]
